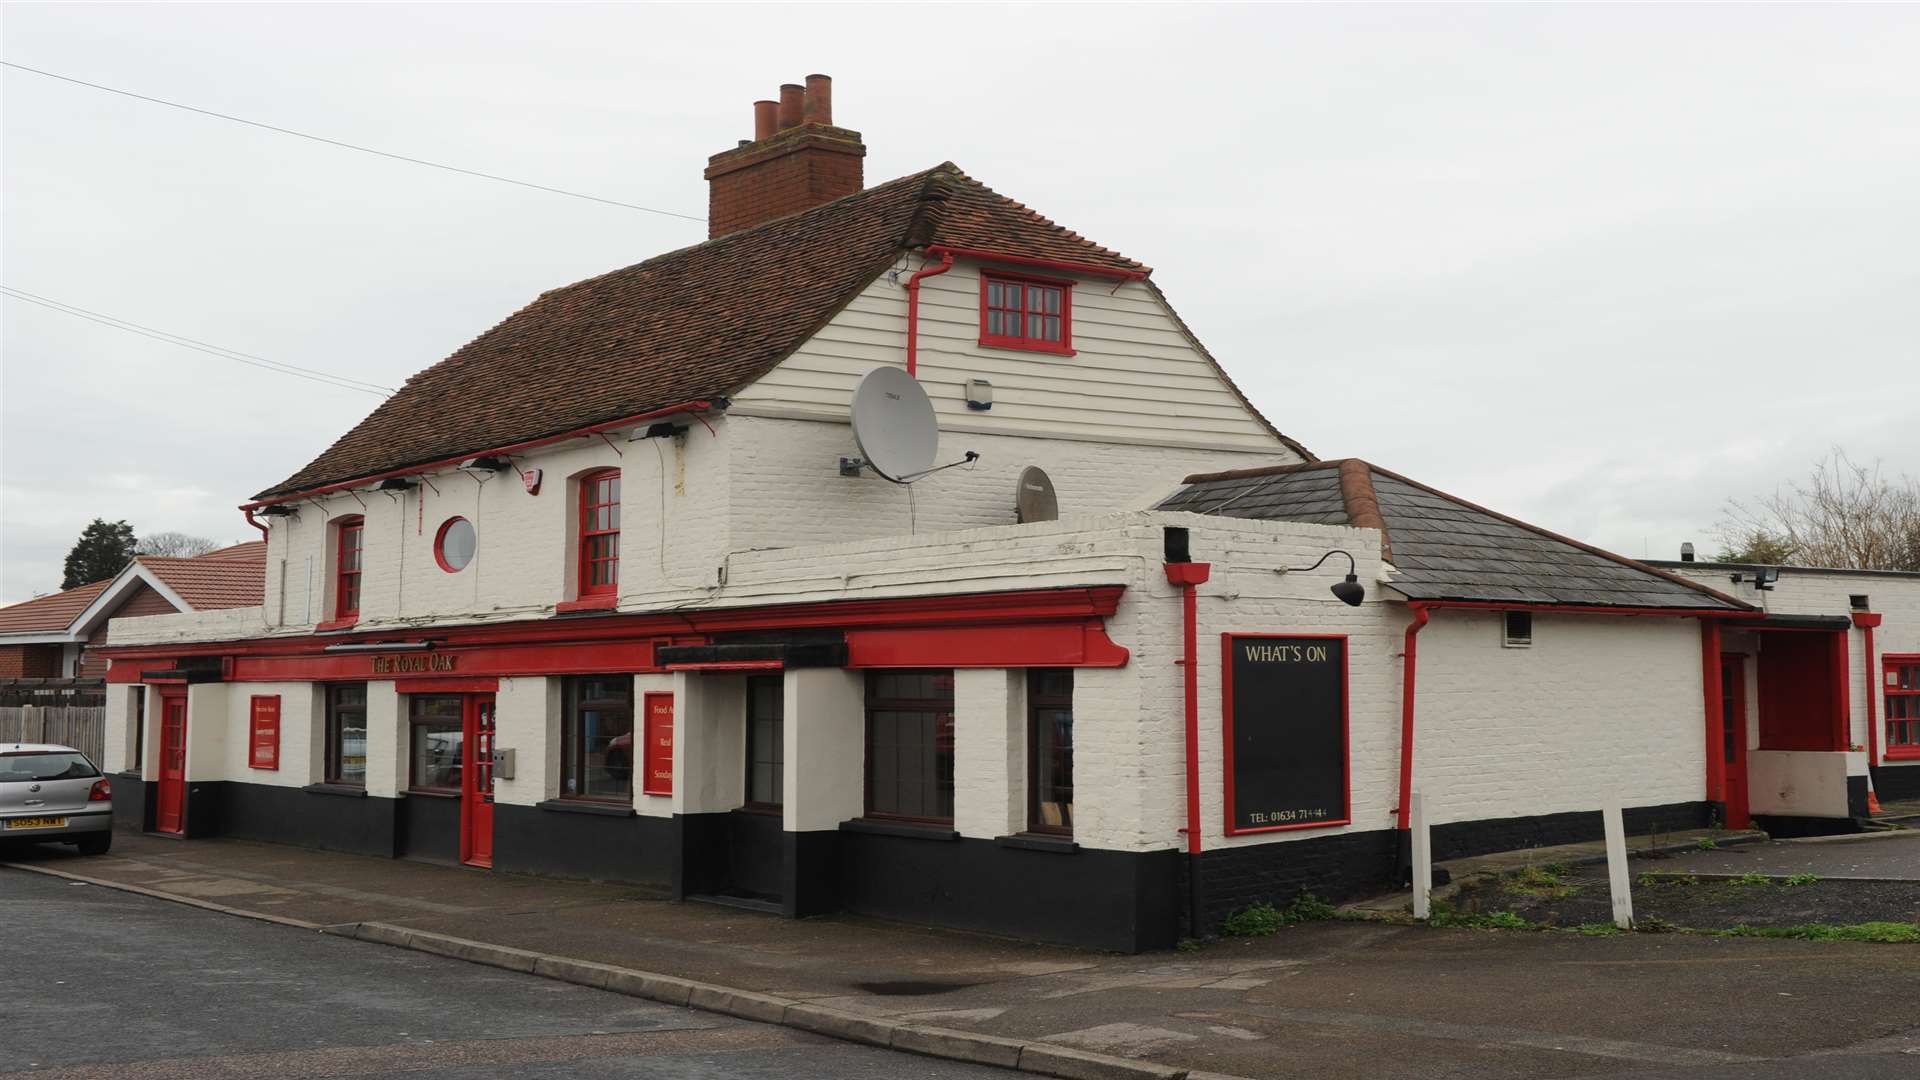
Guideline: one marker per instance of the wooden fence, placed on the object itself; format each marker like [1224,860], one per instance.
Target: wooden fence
[81,727]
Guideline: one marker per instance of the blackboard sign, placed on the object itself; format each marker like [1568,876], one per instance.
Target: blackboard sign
[1286,731]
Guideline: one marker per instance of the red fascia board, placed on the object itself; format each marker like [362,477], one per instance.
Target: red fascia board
[1045,264]
[1032,605]
[510,448]
[730,665]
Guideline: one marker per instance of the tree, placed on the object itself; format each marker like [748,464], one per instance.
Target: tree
[1846,515]
[176,545]
[102,551]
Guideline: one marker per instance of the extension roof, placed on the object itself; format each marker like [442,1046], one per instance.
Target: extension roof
[230,577]
[691,325]
[1442,547]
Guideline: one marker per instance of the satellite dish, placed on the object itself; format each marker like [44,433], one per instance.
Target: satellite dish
[1035,500]
[894,424]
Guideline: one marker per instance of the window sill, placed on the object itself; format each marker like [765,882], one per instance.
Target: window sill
[1044,350]
[587,603]
[912,830]
[351,791]
[583,806]
[429,793]
[336,624]
[1059,845]
[1901,753]
[762,809]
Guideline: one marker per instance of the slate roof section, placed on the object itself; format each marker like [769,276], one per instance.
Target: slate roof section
[52,613]
[1442,547]
[690,325]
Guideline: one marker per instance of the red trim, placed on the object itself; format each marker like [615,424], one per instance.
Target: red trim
[1412,654]
[1715,711]
[1044,264]
[1842,695]
[592,499]
[1081,643]
[263,732]
[510,448]
[1867,621]
[730,665]
[913,307]
[336,624]
[1188,576]
[264,535]
[446,686]
[440,545]
[1063,347]
[1346,734]
[656,757]
[1737,791]
[602,602]
[1889,663]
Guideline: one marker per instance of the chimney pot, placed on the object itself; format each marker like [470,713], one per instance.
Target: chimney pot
[819,100]
[792,103]
[766,115]
[1686,552]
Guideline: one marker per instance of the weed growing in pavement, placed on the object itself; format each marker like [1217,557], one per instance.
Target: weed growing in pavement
[1187,944]
[1541,881]
[1264,920]
[1597,929]
[1747,880]
[1797,880]
[1890,932]
[1648,881]
[1705,843]
[1444,916]
[1654,924]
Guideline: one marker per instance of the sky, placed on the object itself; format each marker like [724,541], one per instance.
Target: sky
[1601,267]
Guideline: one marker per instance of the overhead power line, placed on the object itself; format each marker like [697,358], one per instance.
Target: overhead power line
[278,367]
[351,146]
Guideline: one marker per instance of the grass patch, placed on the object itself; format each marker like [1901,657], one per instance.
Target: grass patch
[1749,880]
[1797,880]
[1888,932]
[1545,882]
[1445,916]
[1265,920]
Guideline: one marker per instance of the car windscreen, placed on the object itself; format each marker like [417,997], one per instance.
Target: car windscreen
[37,765]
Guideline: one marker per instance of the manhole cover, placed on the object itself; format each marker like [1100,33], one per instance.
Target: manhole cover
[911,988]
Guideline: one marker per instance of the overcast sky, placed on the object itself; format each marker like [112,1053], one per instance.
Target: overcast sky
[1600,267]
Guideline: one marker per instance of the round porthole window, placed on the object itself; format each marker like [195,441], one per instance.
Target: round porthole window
[454,545]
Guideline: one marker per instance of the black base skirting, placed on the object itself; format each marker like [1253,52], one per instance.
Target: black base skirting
[561,843]
[1857,796]
[1787,827]
[131,802]
[289,815]
[1896,781]
[1459,839]
[1342,866]
[1110,900]
[429,828]
[207,808]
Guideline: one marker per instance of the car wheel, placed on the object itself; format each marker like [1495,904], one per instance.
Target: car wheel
[96,843]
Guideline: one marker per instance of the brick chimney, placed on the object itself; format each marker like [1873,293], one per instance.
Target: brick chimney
[797,160]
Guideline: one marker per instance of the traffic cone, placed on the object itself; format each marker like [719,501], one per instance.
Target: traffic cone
[1873,800]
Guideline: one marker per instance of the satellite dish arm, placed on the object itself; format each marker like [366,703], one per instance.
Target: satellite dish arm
[972,456]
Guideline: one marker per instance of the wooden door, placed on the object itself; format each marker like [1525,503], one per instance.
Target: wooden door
[170,810]
[476,794]
[1733,736]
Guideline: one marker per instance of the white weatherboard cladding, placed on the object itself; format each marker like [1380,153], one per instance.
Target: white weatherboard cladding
[1136,376]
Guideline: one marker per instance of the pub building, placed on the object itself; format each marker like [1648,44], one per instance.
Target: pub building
[614,592]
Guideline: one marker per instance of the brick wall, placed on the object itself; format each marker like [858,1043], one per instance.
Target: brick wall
[793,171]
[29,661]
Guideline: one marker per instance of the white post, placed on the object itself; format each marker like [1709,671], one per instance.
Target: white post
[1422,858]
[1617,877]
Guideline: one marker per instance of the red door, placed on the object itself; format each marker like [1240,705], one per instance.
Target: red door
[1733,734]
[170,809]
[476,795]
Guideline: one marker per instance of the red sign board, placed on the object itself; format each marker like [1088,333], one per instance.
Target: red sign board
[263,741]
[658,760]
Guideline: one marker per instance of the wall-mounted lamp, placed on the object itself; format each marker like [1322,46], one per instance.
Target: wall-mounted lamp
[397,483]
[1350,591]
[280,510]
[1763,577]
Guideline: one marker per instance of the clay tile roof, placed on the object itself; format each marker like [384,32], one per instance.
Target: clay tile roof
[52,613]
[1442,547]
[228,578]
[687,326]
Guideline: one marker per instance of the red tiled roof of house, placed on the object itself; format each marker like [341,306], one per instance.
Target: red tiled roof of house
[52,613]
[228,578]
[690,325]
[252,549]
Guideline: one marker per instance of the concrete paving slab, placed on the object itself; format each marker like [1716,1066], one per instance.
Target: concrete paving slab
[1876,856]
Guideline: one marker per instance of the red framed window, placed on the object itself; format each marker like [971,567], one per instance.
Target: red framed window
[1026,313]
[346,568]
[1901,686]
[600,533]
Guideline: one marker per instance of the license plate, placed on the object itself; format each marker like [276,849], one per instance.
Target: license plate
[37,823]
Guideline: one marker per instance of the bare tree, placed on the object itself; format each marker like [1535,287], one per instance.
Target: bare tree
[176,545]
[1845,515]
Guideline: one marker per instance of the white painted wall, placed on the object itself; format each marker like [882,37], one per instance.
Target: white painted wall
[526,719]
[990,752]
[824,767]
[207,732]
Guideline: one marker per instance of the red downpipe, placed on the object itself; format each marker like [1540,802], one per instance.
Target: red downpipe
[690,407]
[258,525]
[1188,576]
[913,305]
[1420,616]
[1866,621]
[1710,687]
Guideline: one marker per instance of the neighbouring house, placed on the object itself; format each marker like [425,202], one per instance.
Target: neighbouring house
[58,636]
[609,593]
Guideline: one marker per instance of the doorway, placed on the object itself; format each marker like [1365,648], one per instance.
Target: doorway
[1733,737]
[170,801]
[476,793]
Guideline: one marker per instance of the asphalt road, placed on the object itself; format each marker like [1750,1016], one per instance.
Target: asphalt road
[97,984]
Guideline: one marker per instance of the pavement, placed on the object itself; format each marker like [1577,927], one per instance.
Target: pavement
[127,986]
[1859,857]
[1323,1000]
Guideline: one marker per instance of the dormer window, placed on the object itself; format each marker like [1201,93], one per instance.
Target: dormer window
[600,534]
[346,569]
[1026,313]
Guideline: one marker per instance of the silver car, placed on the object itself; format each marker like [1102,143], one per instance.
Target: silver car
[50,792]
